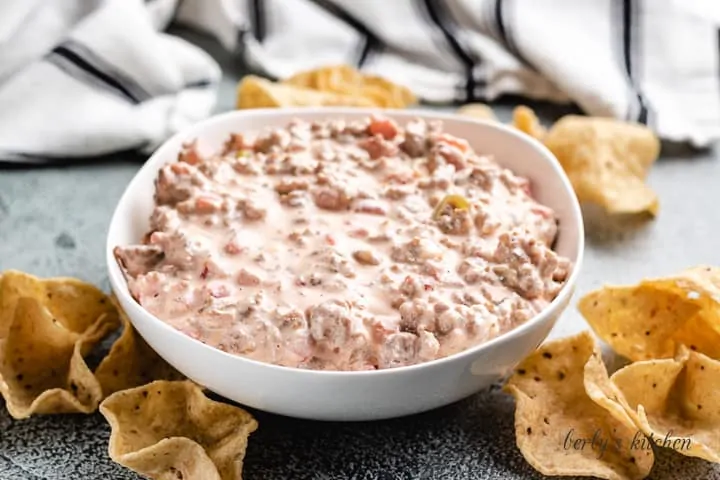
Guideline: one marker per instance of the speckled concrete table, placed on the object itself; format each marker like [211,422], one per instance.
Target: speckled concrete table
[53,222]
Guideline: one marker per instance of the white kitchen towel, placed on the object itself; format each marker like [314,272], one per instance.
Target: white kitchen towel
[80,78]
[87,77]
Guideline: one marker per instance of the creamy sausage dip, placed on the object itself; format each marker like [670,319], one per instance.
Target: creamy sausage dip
[341,245]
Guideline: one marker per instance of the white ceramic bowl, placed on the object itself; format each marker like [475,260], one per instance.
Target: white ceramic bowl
[366,395]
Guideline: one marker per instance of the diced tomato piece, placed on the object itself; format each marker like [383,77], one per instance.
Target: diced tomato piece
[207,204]
[330,239]
[155,237]
[189,154]
[359,233]
[384,127]
[371,207]
[179,168]
[456,142]
[246,278]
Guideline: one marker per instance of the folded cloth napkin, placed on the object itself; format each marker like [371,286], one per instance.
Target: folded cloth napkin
[88,77]
[80,78]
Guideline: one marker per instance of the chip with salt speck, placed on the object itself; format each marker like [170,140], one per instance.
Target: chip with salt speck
[562,402]
[676,401]
[651,319]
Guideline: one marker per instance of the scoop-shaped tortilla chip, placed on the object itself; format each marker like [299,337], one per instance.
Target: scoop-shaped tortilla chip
[131,362]
[169,430]
[651,319]
[256,92]
[477,110]
[525,120]
[607,161]
[74,304]
[346,80]
[605,393]
[42,366]
[700,286]
[676,402]
[559,428]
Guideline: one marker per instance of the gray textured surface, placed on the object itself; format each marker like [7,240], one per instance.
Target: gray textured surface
[53,222]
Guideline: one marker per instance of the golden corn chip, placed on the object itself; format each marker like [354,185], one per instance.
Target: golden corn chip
[170,430]
[335,78]
[605,393]
[395,96]
[525,120]
[651,319]
[700,286]
[676,402]
[559,428]
[637,322]
[73,303]
[41,362]
[477,110]
[13,286]
[607,161]
[256,92]
[345,80]
[131,362]
[379,96]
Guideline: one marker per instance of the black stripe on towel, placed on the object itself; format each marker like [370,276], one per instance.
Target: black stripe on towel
[19,160]
[75,66]
[103,65]
[630,53]
[79,61]
[443,20]
[499,16]
[258,19]
[198,84]
[368,44]
[369,47]
[505,29]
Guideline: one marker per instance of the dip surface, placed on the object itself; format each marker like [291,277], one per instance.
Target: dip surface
[344,246]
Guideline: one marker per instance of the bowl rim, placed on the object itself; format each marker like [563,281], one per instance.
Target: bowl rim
[117,280]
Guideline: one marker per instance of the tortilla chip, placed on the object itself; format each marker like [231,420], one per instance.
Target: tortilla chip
[387,94]
[477,110]
[676,402]
[170,430]
[42,366]
[555,413]
[74,304]
[637,322]
[700,286]
[607,161]
[335,78]
[256,92]
[345,80]
[605,393]
[525,120]
[651,319]
[131,362]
